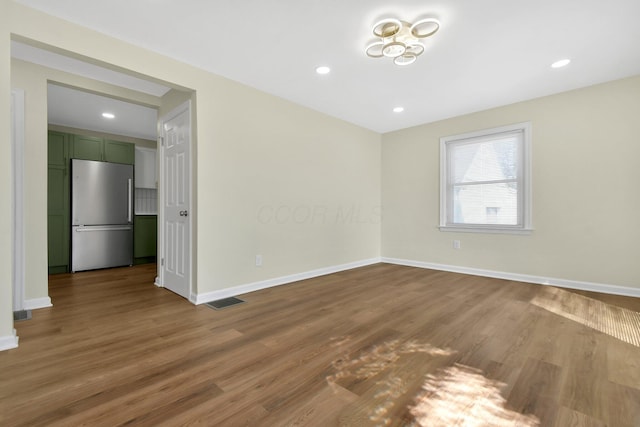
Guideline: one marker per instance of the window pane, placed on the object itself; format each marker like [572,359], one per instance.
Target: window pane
[492,160]
[486,204]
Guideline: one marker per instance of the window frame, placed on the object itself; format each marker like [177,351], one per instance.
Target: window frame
[524,225]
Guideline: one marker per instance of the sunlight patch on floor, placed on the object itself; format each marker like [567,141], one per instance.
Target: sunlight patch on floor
[406,384]
[379,358]
[618,322]
[374,361]
[462,396]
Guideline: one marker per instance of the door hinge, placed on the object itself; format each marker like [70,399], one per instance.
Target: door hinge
[161,140]
[161,261]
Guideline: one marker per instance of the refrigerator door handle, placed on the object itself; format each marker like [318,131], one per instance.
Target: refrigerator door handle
[82,229]
[129,197]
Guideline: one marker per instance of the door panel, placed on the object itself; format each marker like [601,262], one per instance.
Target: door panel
[175,209]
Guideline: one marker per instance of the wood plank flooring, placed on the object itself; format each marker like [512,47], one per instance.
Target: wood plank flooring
[382,345]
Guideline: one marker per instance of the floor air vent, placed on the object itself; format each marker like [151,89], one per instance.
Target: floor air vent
[21,315]
[224,303]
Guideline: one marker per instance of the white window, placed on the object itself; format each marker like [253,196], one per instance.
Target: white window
[485,183]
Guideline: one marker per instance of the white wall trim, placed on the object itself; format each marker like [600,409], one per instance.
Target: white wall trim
[540,280]
[35,303]
[269,283]
[9,341]
[17,137]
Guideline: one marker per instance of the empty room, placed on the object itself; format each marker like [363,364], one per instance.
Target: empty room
[320,213]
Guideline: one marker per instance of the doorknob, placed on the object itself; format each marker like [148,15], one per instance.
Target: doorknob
[184,213]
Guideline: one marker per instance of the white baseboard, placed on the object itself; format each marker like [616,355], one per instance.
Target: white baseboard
[256,286]
[35,303]
[540,280]
[8,342]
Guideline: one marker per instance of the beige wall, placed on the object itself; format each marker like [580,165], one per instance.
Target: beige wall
[173,99]
[585,190]
[298,187]
[252,150]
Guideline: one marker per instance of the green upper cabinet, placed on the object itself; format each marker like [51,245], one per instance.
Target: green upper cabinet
[94,148]
[119,152]
[57,150]
[87,148]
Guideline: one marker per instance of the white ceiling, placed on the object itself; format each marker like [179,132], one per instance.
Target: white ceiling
[83,110]
[488,53]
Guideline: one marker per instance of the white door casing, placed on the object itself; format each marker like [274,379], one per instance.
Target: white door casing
[175,221]
[17,137]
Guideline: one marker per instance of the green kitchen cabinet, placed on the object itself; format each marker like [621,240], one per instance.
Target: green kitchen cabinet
[58,225]
[145,231]
[87,148]
[119,152]
[106,150]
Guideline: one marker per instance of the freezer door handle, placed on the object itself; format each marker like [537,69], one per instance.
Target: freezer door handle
[98,228]
[129,197]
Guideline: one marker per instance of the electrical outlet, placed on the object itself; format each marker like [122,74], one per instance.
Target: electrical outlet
[456,244]
[258,260]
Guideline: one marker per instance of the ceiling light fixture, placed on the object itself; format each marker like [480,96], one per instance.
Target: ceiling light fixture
[323,70]
[398,109]
[108,115]
[400,40]
[561,63]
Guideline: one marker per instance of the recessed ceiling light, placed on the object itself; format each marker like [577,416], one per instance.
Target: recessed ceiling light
[108,115]
[561,63]
[323,70]
[398,109]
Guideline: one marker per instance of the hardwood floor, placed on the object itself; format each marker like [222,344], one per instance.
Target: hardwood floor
[381,345]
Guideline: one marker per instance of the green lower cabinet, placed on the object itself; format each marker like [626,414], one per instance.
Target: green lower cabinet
[145,232]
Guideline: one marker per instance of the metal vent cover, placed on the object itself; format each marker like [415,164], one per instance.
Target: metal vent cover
[21,315]
[224,303]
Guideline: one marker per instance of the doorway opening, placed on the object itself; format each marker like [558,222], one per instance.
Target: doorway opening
[68,76]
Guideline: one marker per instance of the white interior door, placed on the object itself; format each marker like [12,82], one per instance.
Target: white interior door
[175,264]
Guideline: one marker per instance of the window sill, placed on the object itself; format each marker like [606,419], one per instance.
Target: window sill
[486,229]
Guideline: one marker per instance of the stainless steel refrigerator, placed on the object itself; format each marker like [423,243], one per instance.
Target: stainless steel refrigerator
[101,215]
